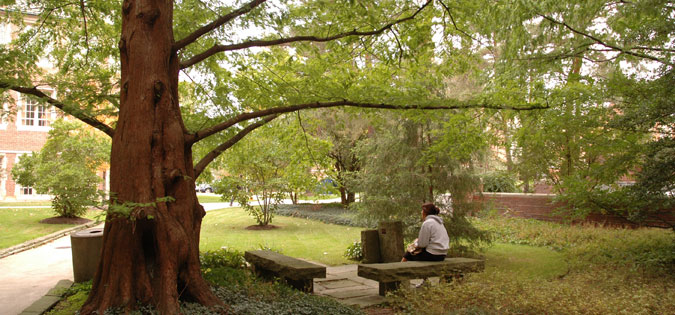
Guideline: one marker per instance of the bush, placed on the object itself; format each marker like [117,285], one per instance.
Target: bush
[66,168]
[499,182]
[354,251]
[222,258]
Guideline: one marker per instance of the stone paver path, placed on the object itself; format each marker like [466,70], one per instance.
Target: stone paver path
[342,284]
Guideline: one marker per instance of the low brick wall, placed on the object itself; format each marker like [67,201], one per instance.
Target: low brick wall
[542,207]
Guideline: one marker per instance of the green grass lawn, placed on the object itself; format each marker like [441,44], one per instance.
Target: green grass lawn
[208,198]
[26,203]
[20,225]
[300,238]
[318,197]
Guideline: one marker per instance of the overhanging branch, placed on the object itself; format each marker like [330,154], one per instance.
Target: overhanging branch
[206,132]
[603,43]
[215,24]
[206,160]
[280,41]
[70,110]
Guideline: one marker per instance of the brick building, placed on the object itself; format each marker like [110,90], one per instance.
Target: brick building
[24,127]
[21,134]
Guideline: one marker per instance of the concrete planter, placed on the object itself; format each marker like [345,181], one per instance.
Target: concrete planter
[86,247]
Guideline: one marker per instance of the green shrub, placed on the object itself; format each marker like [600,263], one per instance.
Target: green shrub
[354,251]
[227,276]
[65,168]
[499,182]
[222,258]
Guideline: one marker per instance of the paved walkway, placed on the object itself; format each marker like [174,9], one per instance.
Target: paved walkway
[342,284]
[27,276]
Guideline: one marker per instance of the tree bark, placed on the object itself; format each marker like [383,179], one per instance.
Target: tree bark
[150,251]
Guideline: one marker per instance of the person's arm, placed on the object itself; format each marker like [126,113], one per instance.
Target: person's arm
[424,236]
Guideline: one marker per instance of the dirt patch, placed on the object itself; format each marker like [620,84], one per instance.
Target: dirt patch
[65,220]
[262,227]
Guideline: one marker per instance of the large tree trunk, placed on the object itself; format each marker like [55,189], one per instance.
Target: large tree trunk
[150,251]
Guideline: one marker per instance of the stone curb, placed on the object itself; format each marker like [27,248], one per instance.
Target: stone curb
[44,239]
[49,300]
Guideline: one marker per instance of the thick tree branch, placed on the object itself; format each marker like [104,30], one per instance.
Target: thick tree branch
[215,24]
[71,110]
[206,132]
[603,43]
[199,168]
[275,42]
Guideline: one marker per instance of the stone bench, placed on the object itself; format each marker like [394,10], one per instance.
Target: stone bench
[298,273]
[390,275]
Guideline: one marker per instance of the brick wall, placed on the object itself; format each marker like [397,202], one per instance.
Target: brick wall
[542,207]
[13,143]
[21,141]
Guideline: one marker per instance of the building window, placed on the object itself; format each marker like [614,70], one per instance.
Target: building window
[34,114]
[26,190]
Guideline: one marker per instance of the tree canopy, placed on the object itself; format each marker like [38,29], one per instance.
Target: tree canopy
[116,65]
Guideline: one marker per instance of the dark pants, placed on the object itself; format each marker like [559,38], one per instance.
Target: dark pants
[423,256]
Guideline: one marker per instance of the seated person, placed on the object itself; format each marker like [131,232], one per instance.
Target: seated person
[433,241]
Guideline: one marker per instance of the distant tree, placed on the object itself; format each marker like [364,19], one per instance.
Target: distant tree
[274,160]
[647,110]
[66,168]
[344,130]
[609,89]
[256,166]
[422,158]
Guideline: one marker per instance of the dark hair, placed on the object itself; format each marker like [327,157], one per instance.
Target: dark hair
[430,209]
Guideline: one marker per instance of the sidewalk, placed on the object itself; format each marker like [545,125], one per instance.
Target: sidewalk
[28,275]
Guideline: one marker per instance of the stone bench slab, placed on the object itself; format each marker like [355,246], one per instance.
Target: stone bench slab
[390,275]
[298,273]
[287,267]
[399,271]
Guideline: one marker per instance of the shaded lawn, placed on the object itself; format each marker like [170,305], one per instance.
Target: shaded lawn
[300,238]
[23,224]
[565,270]
[525,261]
